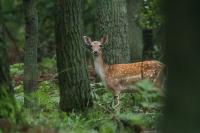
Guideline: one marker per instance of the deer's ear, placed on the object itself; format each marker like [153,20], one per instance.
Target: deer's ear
[87,40]
[104,39]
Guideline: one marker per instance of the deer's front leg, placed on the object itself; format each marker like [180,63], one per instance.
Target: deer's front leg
[116,100]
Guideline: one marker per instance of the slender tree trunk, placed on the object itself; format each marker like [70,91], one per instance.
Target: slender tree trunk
[148,44]
[31,42]
[111,19]
[154,40]
[72,72]
[182,57]
[135,34]
[5,79]
[159,41]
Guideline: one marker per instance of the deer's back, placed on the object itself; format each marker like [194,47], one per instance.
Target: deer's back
[133,72]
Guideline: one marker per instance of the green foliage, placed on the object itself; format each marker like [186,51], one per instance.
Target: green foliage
[11,18]
[9,4]
[17,69]
[19,95]
[98,119]
[46,15]
[8,107]
[43,94]
[48,65]
[147,98]
[150,16]
[108,127]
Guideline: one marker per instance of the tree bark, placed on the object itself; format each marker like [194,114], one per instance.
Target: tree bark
[148,44]
[31,42]
[71,64]
[135,35]
[111,21]
[159,41]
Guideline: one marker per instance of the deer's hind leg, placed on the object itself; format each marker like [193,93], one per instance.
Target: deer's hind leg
[160,82]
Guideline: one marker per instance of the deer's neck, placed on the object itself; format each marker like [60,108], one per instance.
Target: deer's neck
[100,67]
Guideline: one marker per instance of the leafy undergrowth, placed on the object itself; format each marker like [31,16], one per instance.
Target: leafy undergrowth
[139,111]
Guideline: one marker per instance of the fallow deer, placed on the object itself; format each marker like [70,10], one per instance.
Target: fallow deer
[118,77]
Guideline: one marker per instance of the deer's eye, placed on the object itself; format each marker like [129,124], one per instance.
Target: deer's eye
[89,46]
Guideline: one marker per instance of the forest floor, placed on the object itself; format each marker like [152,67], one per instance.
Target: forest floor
[140,111]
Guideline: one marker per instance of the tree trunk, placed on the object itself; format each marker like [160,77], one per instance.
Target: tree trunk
[159,42]
[4,66]
[31,42]
[135,34]
[148,44]
[111,21]
[72,72]
[30,51]
[182,56]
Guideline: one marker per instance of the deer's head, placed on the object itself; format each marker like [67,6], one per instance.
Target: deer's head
[95,46]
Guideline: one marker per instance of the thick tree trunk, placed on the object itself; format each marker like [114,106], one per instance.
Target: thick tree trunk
[182,56]
[72,72]
[135,34]
[111,20]
[31,42]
